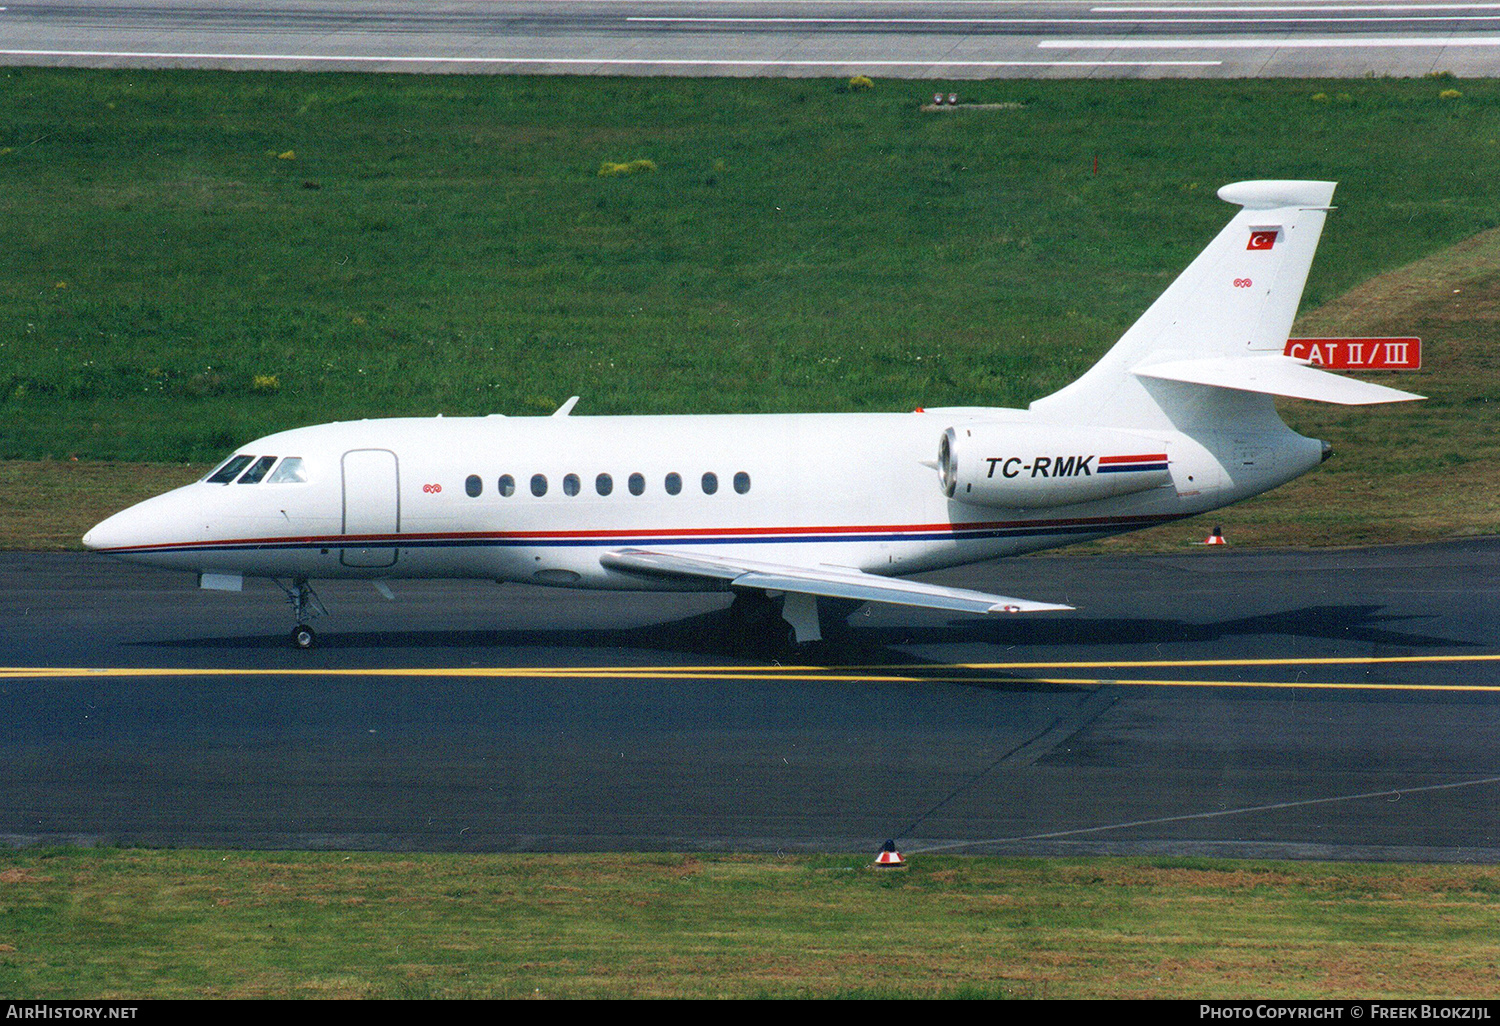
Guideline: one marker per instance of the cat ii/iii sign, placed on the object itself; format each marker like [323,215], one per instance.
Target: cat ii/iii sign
[1358,353]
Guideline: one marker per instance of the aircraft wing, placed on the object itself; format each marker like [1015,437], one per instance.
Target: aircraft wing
[833,581]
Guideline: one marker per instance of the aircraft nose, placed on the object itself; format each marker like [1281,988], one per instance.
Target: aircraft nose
[162,520]
[109,533]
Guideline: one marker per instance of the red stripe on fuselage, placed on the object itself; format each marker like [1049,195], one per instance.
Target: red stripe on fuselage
[370,540]
[1155,457]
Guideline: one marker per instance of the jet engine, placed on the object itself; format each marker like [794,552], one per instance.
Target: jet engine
[1031,466]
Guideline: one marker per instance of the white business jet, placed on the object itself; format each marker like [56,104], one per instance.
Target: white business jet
[1178,418]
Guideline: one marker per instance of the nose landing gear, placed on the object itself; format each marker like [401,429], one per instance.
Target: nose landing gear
[305,605]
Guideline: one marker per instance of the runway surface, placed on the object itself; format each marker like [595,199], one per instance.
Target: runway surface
[943,39]
[1326,704]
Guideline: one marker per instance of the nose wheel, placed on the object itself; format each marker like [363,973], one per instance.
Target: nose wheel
[305,605]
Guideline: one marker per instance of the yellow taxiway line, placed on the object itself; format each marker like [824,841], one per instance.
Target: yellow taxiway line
[1286,661]
[773,669]
[959,673]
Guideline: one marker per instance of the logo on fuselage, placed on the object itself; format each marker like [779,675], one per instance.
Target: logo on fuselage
[1041,466]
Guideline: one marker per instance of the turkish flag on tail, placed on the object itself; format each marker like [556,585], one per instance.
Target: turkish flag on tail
[1263,239]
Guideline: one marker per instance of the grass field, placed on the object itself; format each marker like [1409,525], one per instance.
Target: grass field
[197,258]
[135,924]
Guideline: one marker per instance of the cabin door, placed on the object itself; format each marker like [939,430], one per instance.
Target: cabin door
[372,506]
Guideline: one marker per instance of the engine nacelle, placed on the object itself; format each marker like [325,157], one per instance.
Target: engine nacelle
[1028,466]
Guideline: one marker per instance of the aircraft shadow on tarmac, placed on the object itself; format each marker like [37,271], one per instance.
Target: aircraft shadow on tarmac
[716,634]
[1360,624]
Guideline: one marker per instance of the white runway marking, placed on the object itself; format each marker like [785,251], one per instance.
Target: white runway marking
[1285,8]
[814,20]
[1396,792]
[612,61]
[1353,43]
[842,3]
[1108,8]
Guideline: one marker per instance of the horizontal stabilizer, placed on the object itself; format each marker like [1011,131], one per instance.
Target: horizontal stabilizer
[1275,375]
[834,582]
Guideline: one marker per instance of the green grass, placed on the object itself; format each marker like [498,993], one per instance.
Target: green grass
[447,244]
[194,259]
[140,924]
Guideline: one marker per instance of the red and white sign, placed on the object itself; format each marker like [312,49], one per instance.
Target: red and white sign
[1263,238]
[1358,353]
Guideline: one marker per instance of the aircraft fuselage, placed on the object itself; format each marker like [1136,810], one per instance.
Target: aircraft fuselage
[538,499]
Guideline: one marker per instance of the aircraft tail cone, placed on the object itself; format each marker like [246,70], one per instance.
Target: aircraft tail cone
[1217,538]
[889,857]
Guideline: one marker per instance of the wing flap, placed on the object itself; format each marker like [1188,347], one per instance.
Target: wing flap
[833,582]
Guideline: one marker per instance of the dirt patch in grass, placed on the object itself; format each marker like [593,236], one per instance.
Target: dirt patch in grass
[20,876]
[1387,302]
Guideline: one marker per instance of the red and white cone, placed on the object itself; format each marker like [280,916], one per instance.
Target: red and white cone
[1217,538]
[889,857]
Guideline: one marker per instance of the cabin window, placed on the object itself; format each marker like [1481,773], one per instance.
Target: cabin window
[507,486]
[637,484]
[570,484]
[473,485]
[710,483]
[230,470]
[290,472]
[539,485]
[674,483]
[604,484]
[742,482]
[259,469]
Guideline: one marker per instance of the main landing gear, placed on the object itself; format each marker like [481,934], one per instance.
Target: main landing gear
[754,622]
[787,623]
[305,605]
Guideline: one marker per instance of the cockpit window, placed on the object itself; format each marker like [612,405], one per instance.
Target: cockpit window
[290,472]
[230,470]
[259,469]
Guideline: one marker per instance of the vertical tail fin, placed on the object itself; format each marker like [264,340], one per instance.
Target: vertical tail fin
[1236,300]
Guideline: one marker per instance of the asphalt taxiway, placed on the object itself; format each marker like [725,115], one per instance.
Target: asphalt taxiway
[1324,704]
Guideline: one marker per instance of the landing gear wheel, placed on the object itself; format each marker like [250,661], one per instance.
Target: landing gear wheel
[305,604]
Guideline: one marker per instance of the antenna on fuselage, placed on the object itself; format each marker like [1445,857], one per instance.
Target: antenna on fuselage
[566,408]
